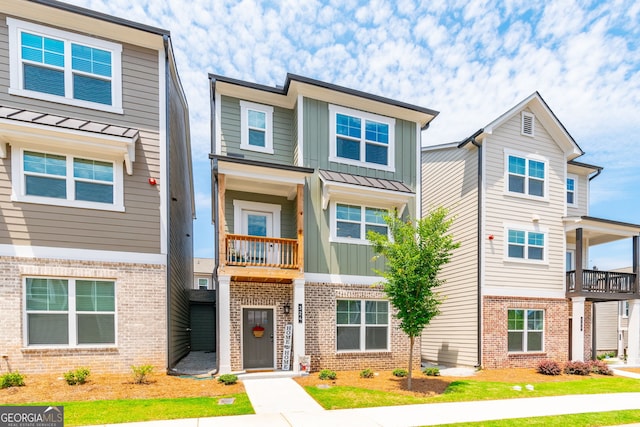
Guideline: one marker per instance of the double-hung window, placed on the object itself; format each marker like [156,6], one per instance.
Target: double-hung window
[70,312]
[525,330]
[351,223]
[526,175]
[361,139]
[256,123]
[64,67]
[67,180]
[572,190]
[529,245]
[362,325]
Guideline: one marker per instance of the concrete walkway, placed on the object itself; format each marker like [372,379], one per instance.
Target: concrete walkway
[281,402]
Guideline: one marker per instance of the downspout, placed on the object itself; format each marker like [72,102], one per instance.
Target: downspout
[479,249]
[215,211]
[165,41]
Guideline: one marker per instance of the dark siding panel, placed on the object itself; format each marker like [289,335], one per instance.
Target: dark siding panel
[180,269]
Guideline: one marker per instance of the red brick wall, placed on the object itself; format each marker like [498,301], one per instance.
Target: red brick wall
[494,335]
[140,315]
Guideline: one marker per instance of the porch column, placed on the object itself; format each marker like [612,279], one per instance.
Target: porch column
[633,349]
[578,262]
[298,323]
[577,329]
[224,328]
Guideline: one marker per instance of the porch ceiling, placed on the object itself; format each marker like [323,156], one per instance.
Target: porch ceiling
[598,230]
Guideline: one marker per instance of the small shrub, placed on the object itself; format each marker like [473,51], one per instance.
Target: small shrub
[228,379]
[140,373]
[400,373]
[549,367]
[601,368]
[327,374]
[79,376]
[575,367]
[431,371]
[11,379]
[366,373]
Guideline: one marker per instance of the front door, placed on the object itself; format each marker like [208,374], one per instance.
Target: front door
[257,338]
[257,224]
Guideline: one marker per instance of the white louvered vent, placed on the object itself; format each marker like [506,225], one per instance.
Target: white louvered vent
[527,123]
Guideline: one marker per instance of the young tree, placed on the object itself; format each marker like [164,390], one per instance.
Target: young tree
[414,255]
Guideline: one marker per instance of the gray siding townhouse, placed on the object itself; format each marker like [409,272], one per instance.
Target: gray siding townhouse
[519,289]
[95,192]
[300,174]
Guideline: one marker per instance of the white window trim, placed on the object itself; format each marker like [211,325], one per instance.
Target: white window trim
[333,156]
[18,191]
[16,77]
[527,229]
[575,190]
[71,312]
[624,309]
[526,115]
[198,279]
[527,157]
[243,205]
[334,238]
[245,107]
[525,330]
[363,326]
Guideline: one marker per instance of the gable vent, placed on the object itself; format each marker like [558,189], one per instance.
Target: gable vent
[527,124]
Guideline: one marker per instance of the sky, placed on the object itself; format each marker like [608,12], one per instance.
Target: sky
[469,60]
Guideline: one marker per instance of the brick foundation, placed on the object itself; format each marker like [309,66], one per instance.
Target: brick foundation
[494,335]
[140,317]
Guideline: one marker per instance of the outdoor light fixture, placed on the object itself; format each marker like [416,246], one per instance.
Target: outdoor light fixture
[287,308]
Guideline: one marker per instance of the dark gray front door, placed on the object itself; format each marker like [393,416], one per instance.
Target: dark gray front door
[257,348]
[203,327]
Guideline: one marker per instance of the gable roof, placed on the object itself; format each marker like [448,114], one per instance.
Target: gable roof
[545,115]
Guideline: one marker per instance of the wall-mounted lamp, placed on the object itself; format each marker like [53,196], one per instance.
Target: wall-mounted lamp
[286,308]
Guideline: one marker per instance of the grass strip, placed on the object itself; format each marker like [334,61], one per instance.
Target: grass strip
[588,419]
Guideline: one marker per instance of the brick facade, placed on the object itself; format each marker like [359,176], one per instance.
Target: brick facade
[320,318]
[141,318]
[494,331]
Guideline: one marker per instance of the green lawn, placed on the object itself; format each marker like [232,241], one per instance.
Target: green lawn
[586,420]
[340,397]
[123,411]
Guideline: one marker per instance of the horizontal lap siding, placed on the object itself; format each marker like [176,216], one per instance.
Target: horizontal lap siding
[135,230]
[502,208]
[606,325]
[449,179]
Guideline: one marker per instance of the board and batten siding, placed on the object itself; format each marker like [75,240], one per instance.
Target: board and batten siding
[135,230]
[450,179]
[502,209]
[317,145]
[288,228]
[283,137]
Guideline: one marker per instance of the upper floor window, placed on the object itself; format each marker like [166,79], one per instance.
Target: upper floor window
[526,175]
[203,283]
[59,66]
[525,330]
[256,123]
[362,325]
[525,245]
[571,190]
[361,139]
[351,223]
[66,180]
[69,312]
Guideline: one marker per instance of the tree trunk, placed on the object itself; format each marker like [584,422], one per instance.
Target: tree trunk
[410,362]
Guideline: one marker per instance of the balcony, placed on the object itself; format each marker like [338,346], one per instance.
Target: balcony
[599,285]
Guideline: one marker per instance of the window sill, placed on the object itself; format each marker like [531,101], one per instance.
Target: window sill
[361,352]
[526,353]
[265,150]
[68,203]
[526,196]
[78,349]
[67,101]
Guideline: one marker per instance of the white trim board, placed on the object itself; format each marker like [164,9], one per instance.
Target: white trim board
[81,254]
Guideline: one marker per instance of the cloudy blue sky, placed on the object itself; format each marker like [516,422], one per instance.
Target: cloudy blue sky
[470,60]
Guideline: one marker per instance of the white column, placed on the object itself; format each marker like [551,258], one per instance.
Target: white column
[224,328]
[633,349]
[298,323]
[621,307]
[577,329]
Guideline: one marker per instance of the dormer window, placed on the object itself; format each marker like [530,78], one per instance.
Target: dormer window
[528,123]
